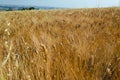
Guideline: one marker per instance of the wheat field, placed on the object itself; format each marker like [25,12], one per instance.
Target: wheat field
[73,44]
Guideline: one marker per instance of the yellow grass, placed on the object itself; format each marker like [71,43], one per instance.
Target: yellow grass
[81,44]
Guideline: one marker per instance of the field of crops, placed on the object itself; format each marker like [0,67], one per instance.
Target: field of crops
[81,44]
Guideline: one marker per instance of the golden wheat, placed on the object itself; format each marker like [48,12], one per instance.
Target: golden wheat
[81,44]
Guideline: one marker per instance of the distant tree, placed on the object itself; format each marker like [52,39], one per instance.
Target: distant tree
[31,8]
[24,9]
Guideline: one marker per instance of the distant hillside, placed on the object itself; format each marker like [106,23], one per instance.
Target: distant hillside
[9,7]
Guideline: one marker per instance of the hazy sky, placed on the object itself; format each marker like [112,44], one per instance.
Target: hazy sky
[62,3]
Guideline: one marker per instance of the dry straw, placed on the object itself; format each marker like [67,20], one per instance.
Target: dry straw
[60,44]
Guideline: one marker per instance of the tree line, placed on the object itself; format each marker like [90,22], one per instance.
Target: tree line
[24,8]
[31,8]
